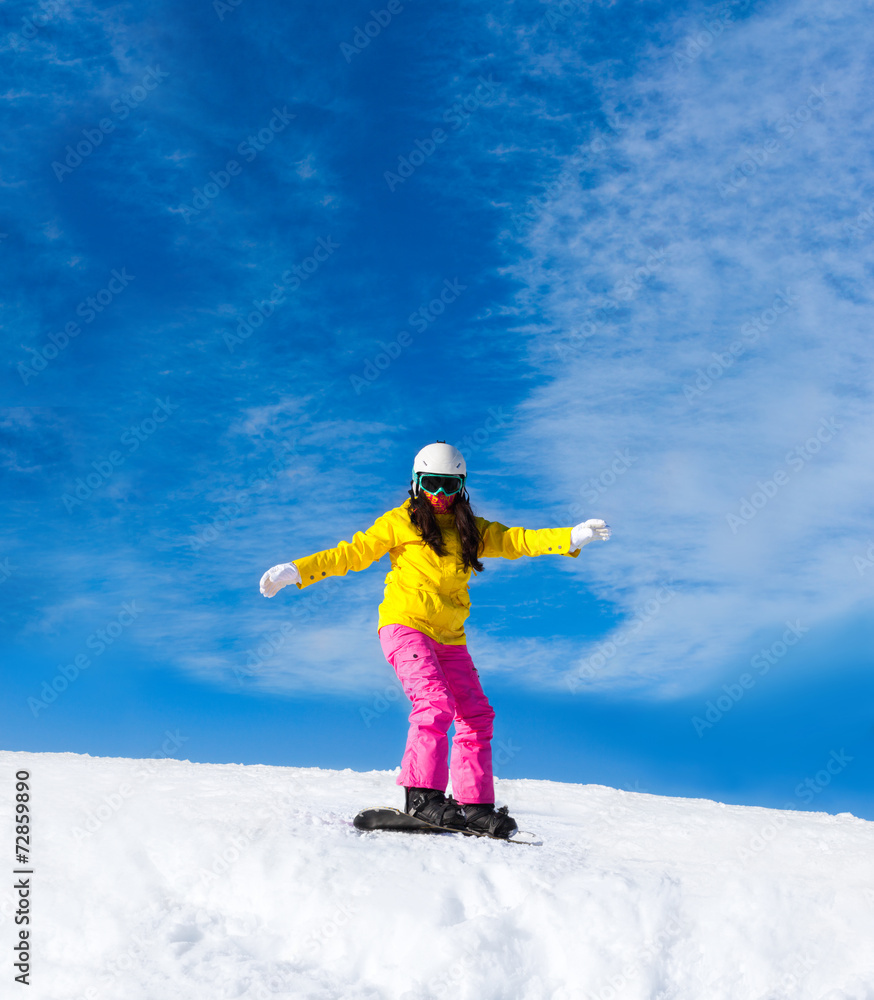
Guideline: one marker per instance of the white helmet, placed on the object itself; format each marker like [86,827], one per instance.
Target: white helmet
[438,459]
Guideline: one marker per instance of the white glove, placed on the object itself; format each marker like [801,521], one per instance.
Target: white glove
[278,577]
[588,531]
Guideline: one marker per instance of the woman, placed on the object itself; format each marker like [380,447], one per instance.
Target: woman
[435,542]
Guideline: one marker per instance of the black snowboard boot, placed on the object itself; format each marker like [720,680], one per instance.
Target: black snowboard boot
[484,818]
[431,805]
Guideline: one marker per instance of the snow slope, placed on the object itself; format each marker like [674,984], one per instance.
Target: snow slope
[163,879]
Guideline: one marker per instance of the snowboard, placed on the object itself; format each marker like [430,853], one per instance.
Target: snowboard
[386,818]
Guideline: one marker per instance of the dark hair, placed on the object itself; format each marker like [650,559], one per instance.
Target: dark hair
[425,522]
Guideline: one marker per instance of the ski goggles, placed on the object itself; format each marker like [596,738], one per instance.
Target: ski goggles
[448,485]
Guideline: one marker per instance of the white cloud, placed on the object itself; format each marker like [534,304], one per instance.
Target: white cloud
[628,341]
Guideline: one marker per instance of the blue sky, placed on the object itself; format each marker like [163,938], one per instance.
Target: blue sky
[620,253]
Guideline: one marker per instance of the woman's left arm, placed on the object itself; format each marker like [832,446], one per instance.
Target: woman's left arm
[511,543]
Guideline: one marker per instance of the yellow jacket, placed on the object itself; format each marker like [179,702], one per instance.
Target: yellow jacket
[423,590]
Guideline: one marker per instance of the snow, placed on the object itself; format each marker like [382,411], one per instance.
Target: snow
[163,879]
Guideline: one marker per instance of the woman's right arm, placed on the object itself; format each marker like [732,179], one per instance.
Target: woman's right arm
[365,548]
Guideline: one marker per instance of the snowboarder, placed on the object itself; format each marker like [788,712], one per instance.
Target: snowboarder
[435,541]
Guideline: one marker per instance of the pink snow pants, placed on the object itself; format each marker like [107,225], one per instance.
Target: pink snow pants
[443,685]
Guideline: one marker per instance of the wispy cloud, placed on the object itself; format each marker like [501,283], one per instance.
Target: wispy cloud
[627,226]
[746,187]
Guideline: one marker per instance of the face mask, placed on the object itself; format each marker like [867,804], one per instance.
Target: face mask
[440,502]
